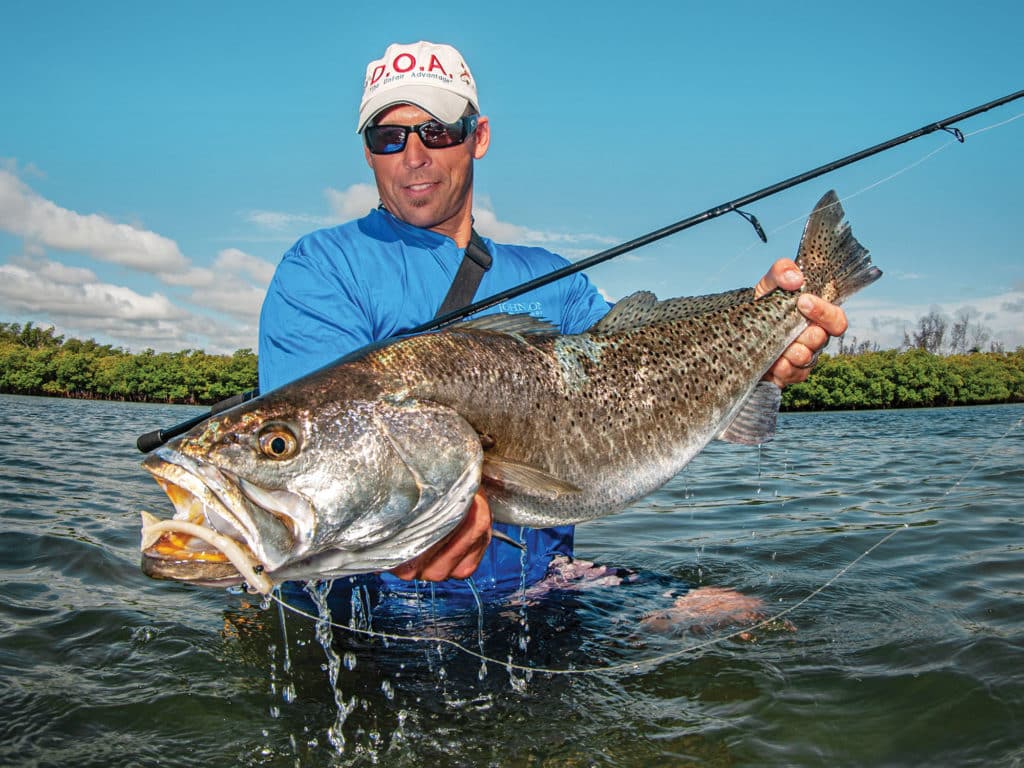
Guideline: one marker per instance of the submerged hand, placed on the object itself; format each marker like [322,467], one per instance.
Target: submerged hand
[458,554]
[826,320]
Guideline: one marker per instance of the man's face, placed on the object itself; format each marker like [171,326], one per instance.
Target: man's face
[429,188]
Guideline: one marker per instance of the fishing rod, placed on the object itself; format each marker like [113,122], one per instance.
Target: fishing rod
[156,438]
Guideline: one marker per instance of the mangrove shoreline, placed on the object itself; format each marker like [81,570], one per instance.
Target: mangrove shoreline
[35,361]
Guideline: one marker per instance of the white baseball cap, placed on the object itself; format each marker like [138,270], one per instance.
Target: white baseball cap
[432,76]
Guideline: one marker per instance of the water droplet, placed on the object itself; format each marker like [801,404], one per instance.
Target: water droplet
[142,635]
[388,689]
[350,661]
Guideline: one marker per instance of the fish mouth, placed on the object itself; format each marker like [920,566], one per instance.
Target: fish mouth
[225,530]
[182,551]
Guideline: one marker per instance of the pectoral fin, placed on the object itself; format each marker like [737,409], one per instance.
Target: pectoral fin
[524,479]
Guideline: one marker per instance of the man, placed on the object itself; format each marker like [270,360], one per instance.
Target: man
[340,288]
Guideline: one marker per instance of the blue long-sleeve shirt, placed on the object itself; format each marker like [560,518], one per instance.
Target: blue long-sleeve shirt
[340,288]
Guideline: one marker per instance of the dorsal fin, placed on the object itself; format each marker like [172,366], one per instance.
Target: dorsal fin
[505,323]
[643,308]
[627,314]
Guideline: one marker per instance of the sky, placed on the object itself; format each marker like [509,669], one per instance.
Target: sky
[157,159]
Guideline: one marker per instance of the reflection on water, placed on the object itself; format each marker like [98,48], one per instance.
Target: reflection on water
[912,657]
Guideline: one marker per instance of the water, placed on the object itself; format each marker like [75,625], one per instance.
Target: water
[915,656]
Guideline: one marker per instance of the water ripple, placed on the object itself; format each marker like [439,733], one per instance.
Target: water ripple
[100,666]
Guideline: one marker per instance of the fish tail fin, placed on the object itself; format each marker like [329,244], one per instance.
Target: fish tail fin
[834,264]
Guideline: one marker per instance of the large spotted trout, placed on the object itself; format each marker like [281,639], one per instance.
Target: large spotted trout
[366,463]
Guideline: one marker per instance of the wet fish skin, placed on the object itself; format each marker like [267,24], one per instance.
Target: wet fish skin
[381,453]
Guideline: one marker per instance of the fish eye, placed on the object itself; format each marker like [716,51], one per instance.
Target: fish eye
[278,442]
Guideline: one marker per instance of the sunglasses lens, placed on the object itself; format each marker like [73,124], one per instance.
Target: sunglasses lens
[436,135]
[389,139]
[386,139]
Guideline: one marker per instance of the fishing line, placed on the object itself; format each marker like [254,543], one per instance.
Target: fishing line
[799,219]
[997,125]
[635,666]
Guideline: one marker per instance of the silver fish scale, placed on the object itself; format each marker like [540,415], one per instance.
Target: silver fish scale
[615,414]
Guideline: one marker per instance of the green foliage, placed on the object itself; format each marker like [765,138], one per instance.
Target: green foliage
[912,379]
[29,336]
[34,361]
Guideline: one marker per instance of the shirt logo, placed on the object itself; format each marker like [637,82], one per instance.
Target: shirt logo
[533,308]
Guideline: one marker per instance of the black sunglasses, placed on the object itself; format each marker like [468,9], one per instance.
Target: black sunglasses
[389,139]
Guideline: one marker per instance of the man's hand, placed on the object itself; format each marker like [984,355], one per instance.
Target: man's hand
[458,554]
[826,320]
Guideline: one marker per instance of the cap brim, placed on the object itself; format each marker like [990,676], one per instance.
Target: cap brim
[444,105]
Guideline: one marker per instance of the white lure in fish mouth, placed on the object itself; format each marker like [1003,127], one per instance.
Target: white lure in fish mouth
[225,548]
[250,528]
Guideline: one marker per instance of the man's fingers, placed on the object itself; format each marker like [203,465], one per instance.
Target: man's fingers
[813,339]
[784,274]
[826,320]
[801,356]
[457,555]
[830,317]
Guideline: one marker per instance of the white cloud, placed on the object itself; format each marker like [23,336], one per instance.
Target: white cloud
[278,220]
[353,202]
[233,261]
[62,273]
[567,244]
[231,266]
[48,292]
[885,322]
[193,277]
[214,307]
[238,281]
[488,224]
[41,222]
[238,300]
